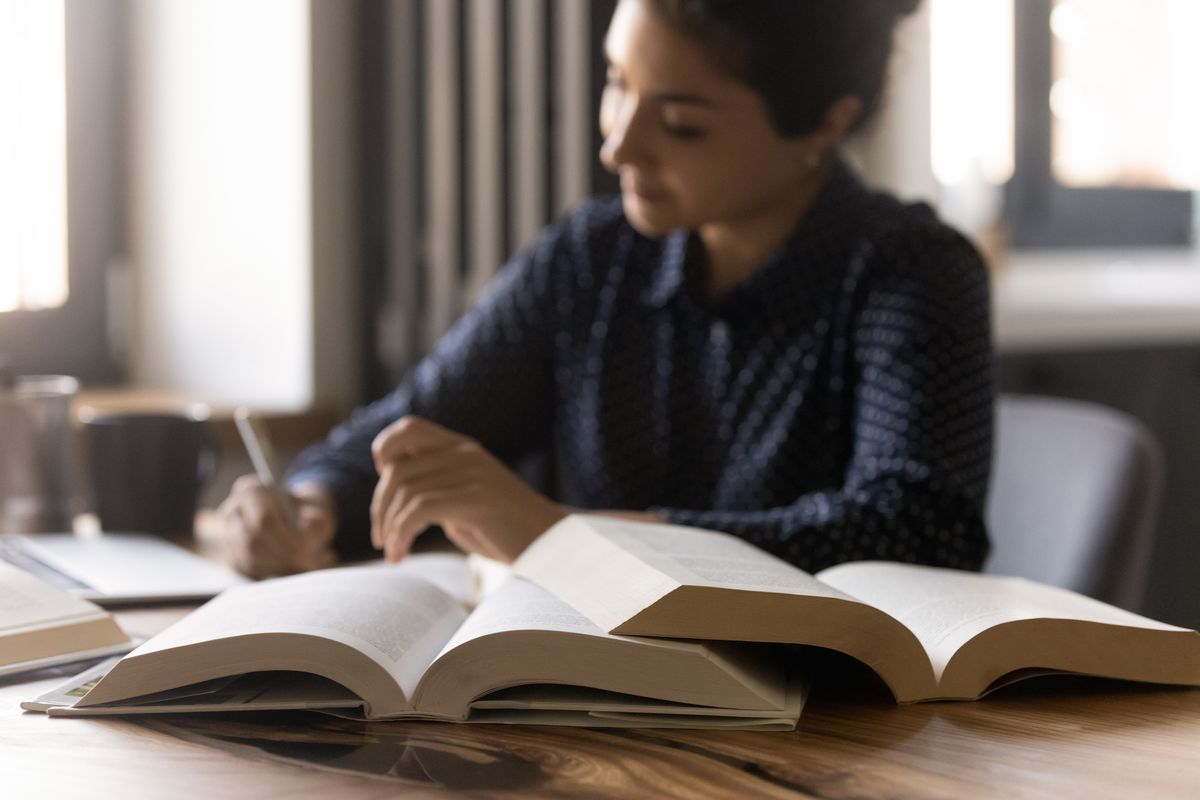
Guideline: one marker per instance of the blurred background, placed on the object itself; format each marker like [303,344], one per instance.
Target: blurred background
[283,203]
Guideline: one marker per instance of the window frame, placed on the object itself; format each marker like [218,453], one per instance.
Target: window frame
[1040,211]
[74,339]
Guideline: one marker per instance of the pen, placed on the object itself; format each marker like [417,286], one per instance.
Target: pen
[262,456]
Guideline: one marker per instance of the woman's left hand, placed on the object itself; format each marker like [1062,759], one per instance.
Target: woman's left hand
[429,475]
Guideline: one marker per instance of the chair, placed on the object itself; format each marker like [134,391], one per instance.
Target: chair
[1074,497]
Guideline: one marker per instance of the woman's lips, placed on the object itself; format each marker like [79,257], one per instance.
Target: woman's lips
[641,190]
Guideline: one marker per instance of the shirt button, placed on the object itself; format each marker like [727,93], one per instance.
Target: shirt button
[718,333]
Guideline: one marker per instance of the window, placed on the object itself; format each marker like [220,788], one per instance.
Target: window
[1083,111]
[62,183]
[33,155]
[971,99]
[1128,69]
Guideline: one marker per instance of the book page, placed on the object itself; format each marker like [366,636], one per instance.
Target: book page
[522,633]
[466,578]
[559,697]
[521,605]
[650,579]
[26,601]
[397,619]
[709,558]
[945,608]
[452,572]
[489,574]
[274,691]
[546,704]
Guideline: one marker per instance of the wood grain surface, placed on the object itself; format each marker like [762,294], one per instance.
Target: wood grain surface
[1047,738]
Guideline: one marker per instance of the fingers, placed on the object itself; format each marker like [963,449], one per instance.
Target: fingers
[381,501]
[428,475]
[410,436]
[408,510]
[411,469]
[258,539]
[250,545]
[316,516]
[260,548]
[426,508]
[470,540]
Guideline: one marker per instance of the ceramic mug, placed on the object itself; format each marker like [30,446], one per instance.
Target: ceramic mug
[146,470]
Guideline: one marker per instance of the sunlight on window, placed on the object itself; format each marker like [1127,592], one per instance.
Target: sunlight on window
[33,169]
[1125,103]
[972,90]
[971,97]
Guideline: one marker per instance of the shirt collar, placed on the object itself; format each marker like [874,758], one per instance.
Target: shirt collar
[678,248]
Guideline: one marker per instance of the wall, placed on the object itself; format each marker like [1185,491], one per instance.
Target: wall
[893,153]
[232,240]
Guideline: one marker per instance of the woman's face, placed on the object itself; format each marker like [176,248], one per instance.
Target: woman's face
[693,146]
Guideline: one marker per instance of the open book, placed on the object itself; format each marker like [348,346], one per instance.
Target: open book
[929,633]
[386,642]
[41,626]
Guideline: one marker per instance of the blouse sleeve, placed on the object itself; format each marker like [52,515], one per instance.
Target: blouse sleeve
[489,378]
[921,385]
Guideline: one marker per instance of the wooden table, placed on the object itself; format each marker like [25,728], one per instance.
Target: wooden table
[1051,738]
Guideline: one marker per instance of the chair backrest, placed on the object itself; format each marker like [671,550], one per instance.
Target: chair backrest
[1074,497]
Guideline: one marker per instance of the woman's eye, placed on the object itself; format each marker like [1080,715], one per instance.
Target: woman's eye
[684,131]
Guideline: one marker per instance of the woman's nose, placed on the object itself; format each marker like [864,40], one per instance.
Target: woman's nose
[624,141]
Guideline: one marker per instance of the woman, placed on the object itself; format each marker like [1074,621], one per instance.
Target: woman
[747,340]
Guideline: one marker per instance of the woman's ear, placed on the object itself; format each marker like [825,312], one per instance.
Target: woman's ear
[838,121]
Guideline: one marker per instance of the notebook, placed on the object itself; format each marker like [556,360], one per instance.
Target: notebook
[113,569]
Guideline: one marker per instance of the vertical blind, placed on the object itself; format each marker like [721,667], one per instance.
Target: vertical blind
[489,137]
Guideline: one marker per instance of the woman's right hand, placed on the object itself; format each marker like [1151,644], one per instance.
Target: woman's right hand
[256,538]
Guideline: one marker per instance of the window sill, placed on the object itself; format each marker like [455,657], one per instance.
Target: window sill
[1093,299]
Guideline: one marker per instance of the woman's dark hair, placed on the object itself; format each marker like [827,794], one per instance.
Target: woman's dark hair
[800,55]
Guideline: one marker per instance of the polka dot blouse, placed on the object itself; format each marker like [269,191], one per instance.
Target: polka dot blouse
[836,406]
